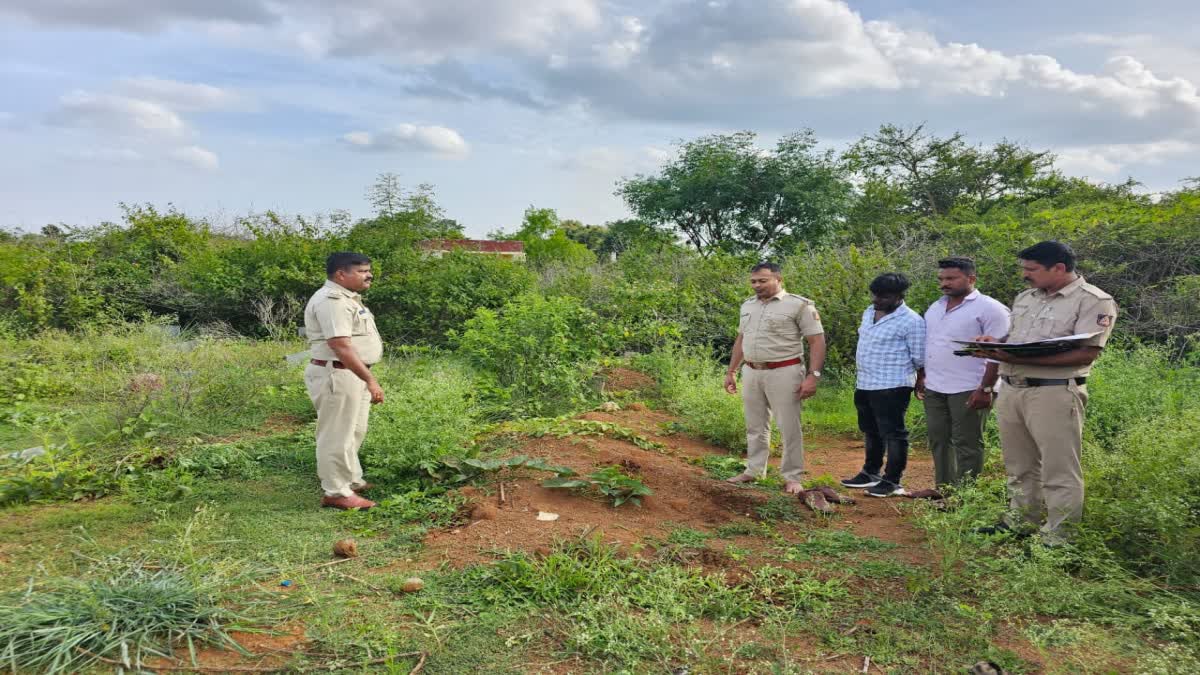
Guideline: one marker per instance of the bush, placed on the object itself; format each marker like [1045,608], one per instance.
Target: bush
[539,353]
[1143,502]
[423,298]
[429,412]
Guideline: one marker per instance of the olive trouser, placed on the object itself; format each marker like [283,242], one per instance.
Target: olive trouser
[1041,435]
[766,394]
[955,436]
[343,405]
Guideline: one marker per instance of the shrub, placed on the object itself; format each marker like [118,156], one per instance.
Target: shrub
[419,299]
[428,412]
[540,353]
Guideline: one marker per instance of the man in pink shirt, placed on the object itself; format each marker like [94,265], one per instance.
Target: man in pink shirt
[958,390]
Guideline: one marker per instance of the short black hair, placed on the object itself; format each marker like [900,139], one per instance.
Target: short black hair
[344,260]
[959,262]
[769,266]
[890,283]
[1050,253]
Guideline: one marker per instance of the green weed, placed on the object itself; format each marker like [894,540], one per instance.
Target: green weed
[123,612]
[610,481]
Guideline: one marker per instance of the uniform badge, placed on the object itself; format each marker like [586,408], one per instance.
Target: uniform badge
[1104,320]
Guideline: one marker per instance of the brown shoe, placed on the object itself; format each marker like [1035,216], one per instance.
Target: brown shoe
[362,488]
[814,500]
[347,503]
[833,497]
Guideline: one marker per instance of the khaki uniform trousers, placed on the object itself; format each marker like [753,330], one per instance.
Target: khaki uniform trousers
[1041,435]
[343,404]
[767,393]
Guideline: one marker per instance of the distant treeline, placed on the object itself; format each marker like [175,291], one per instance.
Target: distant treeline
[898,199]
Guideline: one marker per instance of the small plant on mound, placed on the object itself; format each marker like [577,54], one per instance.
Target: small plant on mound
[611,482]
[124,614]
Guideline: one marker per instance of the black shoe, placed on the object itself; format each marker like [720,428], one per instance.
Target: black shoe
[885,488]
[991,530]
[1004,529]
[862,480]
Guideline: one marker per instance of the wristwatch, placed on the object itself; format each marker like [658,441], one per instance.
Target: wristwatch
[815,373]
[988,390]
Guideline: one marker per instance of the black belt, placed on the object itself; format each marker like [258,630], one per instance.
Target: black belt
[1041,382]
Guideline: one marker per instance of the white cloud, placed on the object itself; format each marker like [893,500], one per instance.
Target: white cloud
[1129,85]
[118,114]
[137,15]
[1110,161]
[410,138]
[196,157]
[184,96]
[611,162]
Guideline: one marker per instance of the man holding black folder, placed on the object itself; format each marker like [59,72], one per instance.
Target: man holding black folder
[1041,410]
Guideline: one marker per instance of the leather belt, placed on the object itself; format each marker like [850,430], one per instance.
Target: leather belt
[1017,381]
[774,364]
[335,364]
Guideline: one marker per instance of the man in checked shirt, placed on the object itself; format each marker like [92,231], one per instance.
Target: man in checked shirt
[890,361]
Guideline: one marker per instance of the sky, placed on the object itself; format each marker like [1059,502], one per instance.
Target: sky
[230,107]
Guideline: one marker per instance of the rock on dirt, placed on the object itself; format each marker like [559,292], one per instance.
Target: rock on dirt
[345,548]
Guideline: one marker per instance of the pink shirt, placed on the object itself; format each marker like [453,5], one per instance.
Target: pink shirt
[976,315]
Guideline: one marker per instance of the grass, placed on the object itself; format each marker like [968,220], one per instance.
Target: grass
[202,519]
[122,612]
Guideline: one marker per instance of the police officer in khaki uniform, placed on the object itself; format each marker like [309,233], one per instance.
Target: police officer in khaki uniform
[1040,410]
[772,330]
[344,345]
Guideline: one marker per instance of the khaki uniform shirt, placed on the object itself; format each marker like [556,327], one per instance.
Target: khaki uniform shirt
[334,311]
[1078,307]
[775,330]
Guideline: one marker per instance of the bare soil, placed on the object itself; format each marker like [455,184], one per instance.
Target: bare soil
[685,495]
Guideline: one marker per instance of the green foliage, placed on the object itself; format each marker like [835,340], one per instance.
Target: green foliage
[539,353]
[124,611]
[428,413]
[419,299]
[562,427]
[454,470]
[723,193]
[548,242]
[693,387]
[610,481]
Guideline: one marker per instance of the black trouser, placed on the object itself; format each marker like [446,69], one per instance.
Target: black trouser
[881,419]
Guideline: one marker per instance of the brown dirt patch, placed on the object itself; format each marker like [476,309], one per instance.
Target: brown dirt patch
[266,650]
[624,379]
[684,496]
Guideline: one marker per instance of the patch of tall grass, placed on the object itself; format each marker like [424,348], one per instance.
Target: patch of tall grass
[120,614]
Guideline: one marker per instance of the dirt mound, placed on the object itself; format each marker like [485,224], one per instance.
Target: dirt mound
[685,495]
[624,379]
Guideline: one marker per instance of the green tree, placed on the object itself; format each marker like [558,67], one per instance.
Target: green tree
[723,192]
[911,174]
[546,241]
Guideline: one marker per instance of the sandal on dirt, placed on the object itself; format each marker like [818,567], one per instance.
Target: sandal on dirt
[925,494]
[833,497]
[815,500]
